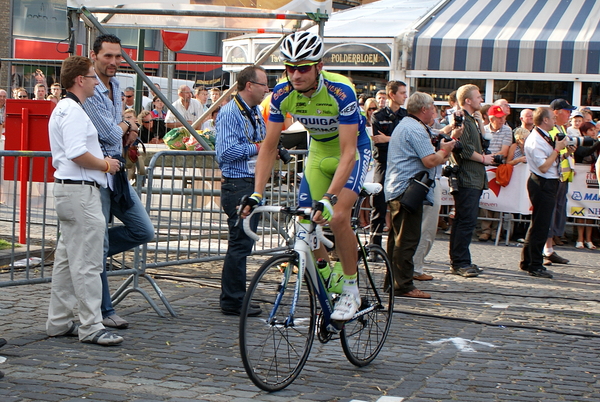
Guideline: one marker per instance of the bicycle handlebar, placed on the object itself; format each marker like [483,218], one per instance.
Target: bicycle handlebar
[272,208]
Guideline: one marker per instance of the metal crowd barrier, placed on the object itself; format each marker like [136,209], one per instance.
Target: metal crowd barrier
[182,195]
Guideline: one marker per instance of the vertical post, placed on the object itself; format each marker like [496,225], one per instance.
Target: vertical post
[23,176]
[138,81]
[170,74]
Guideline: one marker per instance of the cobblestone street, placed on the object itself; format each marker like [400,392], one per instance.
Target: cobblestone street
[503,336]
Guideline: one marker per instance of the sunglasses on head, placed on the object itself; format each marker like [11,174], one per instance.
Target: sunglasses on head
[301,68]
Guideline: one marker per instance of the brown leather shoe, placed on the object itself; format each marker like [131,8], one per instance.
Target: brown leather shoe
[557,241]
[416,293]
[423,277]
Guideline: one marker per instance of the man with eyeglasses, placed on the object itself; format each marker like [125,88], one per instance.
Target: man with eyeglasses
[147,133]
[339,154]
[186,105]
[240,130]
[105,110]
[129,95]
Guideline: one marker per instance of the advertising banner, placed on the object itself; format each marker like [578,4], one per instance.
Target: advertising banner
[583,198]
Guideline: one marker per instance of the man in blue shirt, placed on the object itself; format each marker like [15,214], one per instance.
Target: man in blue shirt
[105,110]
[240,129]
[410,153]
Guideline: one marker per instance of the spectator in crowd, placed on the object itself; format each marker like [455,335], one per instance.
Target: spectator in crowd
[3,96]
[381,98]
[120,200]
[383,124]
[20,93]
[148,105]
[485,115]
[129,115]
[158,108]
[562,111]
[588,116]
[362,98]
[147,132]
[56,90]
[472,181]
[516,155]
[526,118]
[240,129]
[543,155]
[410,153]
[52,98]
[129,101]
[370,109]
[576,122]
[187,106]
[201,94]
[40,92]
[215,94]
[586,155]
[210,123]
[81,170]
[500,143]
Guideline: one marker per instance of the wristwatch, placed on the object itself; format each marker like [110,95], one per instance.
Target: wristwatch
[332,198]
[129,126]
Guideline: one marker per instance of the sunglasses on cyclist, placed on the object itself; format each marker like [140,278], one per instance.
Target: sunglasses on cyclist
[301,68]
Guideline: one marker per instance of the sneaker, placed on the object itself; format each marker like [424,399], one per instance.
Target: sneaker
[554,258]
[345,308]
[114,321]
[541,273]
[467,272]
[103,337]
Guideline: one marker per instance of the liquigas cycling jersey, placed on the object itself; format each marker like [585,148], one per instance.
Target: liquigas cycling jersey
[333,103]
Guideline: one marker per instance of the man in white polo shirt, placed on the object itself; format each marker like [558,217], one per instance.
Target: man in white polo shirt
[81,169]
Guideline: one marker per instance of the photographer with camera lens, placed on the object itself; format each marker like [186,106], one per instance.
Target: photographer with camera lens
[410,174]
[471,181]
[543,157]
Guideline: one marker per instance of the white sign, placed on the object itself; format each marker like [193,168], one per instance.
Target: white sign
[583,198]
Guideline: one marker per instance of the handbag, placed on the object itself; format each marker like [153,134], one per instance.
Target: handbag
[416,192]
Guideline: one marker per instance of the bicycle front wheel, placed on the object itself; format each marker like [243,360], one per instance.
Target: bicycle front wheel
[363,338]
[275,345]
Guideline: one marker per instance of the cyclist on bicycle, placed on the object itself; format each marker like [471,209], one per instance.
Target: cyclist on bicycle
[339,153]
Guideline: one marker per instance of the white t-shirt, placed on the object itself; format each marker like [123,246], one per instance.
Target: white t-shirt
[192,113]
[72,134]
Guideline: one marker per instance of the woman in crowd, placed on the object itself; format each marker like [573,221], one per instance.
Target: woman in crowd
[586,155]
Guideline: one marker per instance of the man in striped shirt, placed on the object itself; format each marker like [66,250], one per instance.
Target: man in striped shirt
[240,129]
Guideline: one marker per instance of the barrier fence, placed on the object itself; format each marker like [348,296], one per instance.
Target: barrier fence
[181,192]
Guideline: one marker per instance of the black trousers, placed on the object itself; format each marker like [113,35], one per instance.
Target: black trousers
[378,204]
[542,194]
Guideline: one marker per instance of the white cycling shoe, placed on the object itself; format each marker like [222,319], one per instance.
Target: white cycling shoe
[345,308]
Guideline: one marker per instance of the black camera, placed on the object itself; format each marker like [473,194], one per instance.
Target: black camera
[458,120]
[577,141]
[451,172]
[437,141]
[498,159]
[284,154]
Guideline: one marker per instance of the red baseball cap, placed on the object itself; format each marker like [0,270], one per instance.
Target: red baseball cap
[496,111]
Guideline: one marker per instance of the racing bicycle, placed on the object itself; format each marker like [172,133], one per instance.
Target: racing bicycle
[293,295]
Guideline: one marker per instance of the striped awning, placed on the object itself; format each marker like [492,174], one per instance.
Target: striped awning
[527,36]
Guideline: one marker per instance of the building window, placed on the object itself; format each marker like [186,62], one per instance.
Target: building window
[130,37]
[440,88]
[203,42]
[532,92]
[590,94]
[45,19]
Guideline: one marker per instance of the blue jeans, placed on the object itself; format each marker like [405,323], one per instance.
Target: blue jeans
[239,245]
[136,229]
[466,203]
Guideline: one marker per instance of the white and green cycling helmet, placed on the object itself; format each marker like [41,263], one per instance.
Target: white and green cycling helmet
[301,46]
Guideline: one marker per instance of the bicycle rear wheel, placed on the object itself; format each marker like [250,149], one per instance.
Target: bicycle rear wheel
[363,338]
[275,346]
